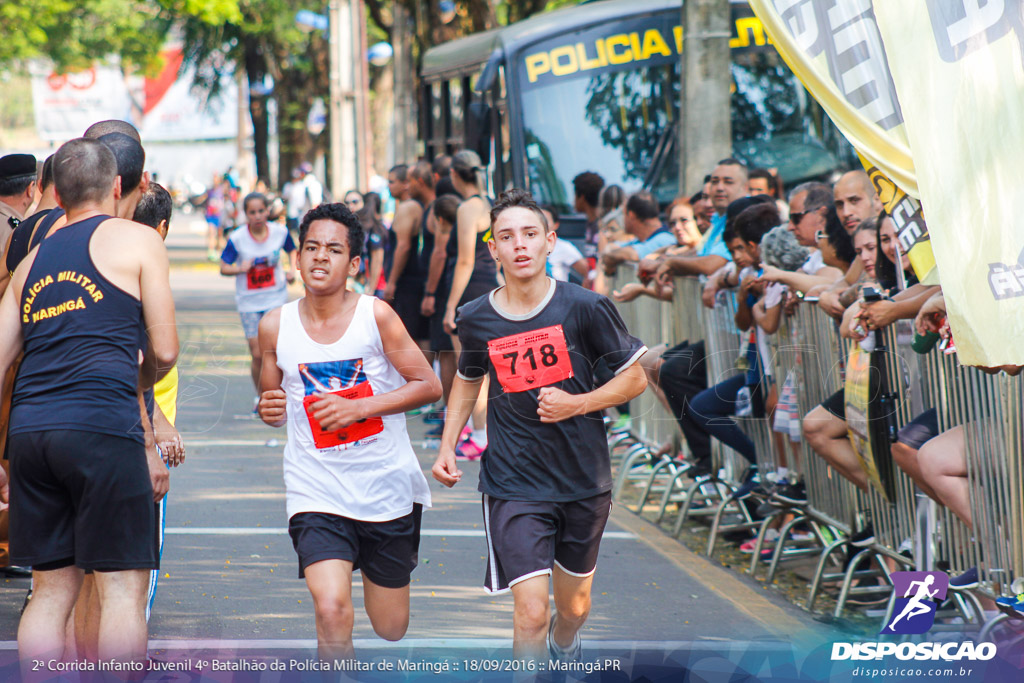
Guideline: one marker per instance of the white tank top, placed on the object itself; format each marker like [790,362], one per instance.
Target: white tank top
[369,471]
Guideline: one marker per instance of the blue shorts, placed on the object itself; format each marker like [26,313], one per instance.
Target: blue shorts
[251,322]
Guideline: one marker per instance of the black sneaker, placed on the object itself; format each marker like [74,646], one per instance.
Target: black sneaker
[965,581]
[701,468]
[864,537]
[744,491]
[793,494]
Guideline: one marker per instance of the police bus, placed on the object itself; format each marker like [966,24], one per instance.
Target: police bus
[595,87]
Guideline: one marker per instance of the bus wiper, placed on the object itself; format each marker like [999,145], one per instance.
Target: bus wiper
[666,145]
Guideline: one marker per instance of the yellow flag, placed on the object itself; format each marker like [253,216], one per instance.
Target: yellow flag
[958,67]
[835,49]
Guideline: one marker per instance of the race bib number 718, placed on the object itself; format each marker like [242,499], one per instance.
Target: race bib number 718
[530,360]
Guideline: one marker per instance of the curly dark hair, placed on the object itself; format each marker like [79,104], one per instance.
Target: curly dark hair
[517,198]
[588,185]
[339,213]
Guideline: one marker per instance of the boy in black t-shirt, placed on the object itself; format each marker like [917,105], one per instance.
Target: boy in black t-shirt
[546,477]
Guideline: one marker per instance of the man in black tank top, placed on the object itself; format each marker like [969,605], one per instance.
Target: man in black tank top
[404,290]
[79,308]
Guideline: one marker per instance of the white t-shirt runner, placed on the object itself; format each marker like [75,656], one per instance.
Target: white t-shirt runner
[263,286]
[367,471]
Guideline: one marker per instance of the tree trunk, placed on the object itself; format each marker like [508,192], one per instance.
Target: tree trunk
[255,70]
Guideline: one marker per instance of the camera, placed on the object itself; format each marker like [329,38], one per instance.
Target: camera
[872,294]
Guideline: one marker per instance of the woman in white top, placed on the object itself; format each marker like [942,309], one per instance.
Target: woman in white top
[340,370]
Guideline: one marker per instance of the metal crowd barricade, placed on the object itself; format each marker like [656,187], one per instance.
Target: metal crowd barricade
[808,348]
[647,319]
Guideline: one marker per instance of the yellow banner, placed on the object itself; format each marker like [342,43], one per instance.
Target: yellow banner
[958,69]
[834,48]
[911,229]
[857,395]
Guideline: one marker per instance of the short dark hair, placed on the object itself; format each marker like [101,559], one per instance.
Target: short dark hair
[46,174]
[10,187]
[446,207]
[339,213]
[442,165]
[131,159]
[754,222]
[154,206]
[254,197]
[774,185]
[84,170]
[423,172]
[818,195]
[730,234]
[731,161]
[588,185]
[516,198]
[643,205]
[101,128]
[400,170]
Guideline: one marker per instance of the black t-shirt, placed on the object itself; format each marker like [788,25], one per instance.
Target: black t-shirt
[558,344]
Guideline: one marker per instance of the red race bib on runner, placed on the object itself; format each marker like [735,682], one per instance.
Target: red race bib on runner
[261,277]
[354,432]
[530,360]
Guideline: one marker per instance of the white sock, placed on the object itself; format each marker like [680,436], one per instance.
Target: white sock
[480,436]
[782,472]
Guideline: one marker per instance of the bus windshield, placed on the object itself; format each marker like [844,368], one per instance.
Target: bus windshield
[620,124]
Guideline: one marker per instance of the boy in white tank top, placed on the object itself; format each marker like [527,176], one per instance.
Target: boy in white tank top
[340,370]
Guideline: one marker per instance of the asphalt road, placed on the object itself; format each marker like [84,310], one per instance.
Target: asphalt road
[229,585]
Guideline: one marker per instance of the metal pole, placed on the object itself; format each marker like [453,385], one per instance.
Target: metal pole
[343,147]
[705,130]
[405,123]
[365,137]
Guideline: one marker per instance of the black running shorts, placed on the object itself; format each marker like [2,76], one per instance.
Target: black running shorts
[81,498]
[529,538]
[836,404]
[920,430]
[386,552]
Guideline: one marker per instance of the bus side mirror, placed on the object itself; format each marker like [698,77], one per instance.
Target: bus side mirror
[478,130]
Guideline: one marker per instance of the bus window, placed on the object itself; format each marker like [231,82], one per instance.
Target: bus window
[624,114]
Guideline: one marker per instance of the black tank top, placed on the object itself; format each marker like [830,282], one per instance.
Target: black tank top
[82,336]
[24,240]
[427,242]
[485,273]
[412,276]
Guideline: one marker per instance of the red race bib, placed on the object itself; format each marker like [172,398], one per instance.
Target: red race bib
[354,432]
[261,277]
[530,360]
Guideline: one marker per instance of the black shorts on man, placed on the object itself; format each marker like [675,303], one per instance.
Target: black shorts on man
[81,498]
[386,552]
[529,538]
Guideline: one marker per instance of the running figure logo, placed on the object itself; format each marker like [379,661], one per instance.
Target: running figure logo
[918,595]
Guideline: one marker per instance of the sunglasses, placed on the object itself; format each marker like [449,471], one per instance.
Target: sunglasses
[819,236]
[353,201]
